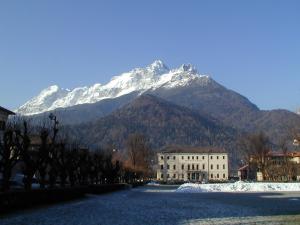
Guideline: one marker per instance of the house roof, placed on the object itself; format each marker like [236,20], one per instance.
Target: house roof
[6,111]
[275,154]
[190,149]
[294,154]
[243,167]
[280,154]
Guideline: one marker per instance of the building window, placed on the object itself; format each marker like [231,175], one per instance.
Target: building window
[182,176]
[197,167]
[189,176]
[211,176]
[161,157]
[217,157]
[224,175]
[168,157]
[192,157]
[211,166]
[182,167]
[174,157]
[193,167]
[161,167]
[203,157]
[174,176]
[203,166]
[188,157]
[174,167]
[197,157]
[168,167]
[161,176]
[211,157]
[189,167]
[223,157]
[217,166]
[217,175]
[182,157]
[168,175]
[223,166]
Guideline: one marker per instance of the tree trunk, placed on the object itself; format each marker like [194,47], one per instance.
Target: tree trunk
[6,178]
[42,179]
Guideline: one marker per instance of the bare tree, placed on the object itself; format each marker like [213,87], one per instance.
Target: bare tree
[9,156]
[53,156]
[140,154]
[72,158]
[260,143]
[244,143]
[43,156]
[255,148]
[28,157]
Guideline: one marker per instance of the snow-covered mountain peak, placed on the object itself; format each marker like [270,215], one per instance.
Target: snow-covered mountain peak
[188,68]
[158,67]
[49,90]
[154,76]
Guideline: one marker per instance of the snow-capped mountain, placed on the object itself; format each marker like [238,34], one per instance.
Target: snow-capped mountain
[298,111]
[156,75]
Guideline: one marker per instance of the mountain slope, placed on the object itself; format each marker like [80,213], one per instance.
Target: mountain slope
[214,100]
[277,124]
[164,123]
[86,112]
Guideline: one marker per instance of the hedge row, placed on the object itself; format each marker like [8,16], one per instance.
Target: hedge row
[14,200]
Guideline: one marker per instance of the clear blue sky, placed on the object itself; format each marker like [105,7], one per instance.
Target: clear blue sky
[252,47]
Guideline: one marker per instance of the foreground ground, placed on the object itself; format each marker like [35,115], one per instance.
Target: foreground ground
[161,205]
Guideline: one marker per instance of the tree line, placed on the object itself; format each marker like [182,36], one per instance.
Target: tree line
[44,153]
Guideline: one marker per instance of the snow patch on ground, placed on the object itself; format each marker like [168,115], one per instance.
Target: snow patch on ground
[238,186]
[153,183]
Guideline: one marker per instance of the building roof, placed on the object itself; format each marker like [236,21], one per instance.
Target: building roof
[280,154]
[243,167]
[275,154]
[6,111]
[294,154]
[190,149]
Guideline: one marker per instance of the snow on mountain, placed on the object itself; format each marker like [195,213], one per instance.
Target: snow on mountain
[298,111]
[155,75]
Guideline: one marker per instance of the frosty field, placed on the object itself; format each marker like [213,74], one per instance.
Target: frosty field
[160,205]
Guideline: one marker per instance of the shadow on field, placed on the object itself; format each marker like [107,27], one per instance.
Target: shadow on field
[195,206]
[162,205]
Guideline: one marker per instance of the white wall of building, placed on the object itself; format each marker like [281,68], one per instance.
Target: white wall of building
[192,166]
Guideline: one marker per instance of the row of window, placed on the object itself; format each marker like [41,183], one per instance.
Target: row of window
[218,176]
[193,167]
[189,176]
[191,157]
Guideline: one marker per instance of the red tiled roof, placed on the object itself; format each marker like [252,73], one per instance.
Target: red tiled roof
[243,167]
[275,154]
[294,154]
[280,154]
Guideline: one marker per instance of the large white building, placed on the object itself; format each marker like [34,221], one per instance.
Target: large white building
[192,164]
